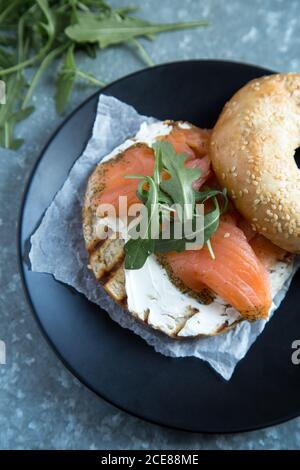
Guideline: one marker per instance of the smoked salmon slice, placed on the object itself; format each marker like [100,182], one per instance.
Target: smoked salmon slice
[236,274]
[192,141]
[139,159]
[266,251]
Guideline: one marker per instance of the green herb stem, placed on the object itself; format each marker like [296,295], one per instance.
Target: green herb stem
[9,9]
[90,78]
[142,52]
[44,64]
[36,32]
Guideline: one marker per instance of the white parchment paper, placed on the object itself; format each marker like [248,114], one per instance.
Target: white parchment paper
[57,248]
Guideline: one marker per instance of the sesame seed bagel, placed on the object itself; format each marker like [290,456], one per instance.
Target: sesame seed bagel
[253,154]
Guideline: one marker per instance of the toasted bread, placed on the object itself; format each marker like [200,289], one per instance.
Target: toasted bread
[106,260]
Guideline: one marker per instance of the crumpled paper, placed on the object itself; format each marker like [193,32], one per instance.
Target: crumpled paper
[57,248]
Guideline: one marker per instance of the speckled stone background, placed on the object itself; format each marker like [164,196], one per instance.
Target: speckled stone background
[41,405]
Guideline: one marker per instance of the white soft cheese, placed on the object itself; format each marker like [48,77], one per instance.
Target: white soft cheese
[153,298]
[147,134]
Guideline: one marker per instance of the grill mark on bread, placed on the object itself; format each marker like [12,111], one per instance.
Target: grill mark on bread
[115,285]
[107,255]
[108,275]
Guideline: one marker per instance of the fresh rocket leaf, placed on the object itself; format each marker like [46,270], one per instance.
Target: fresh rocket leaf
[7,41]
[112,30]
[179,185]
[203,196]
[22,114]
[65,81]
[8,112]
[211,221]
[165,246]
[37,32]
[210,225]
[49,26]
[6,58]
[138,250]
[170,193]
[44,64]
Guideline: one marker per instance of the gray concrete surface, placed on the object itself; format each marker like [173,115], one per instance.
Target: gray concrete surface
[41,404]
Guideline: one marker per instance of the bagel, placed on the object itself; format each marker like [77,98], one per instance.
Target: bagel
[253,154]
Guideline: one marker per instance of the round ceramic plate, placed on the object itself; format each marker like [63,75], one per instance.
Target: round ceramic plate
[114,362]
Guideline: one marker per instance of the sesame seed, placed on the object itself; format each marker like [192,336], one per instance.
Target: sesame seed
[226,234]
[245,190]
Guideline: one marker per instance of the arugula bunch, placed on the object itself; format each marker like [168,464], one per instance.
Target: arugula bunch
[171,185]
[36,32]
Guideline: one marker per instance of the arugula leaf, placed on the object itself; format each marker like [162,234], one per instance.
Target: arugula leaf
[65,81]
[22,114]
[44,64]
[112,30]
[138,250]
[36,32]
[171,244]
[6,58]
[179,186]
[162,194]
[210,225]
[211,221]
[50,25]
[8,114]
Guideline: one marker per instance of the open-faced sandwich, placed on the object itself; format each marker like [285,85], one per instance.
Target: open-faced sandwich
[242,174]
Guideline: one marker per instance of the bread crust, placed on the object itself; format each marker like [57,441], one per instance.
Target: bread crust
[252,151]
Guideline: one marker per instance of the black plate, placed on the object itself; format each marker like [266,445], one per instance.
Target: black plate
[115,363]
